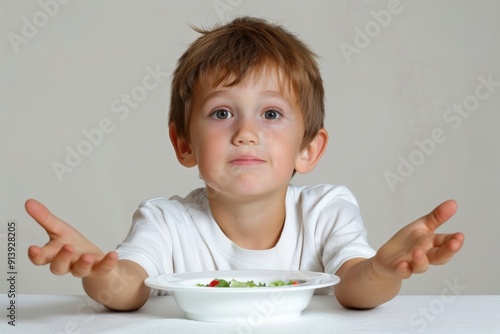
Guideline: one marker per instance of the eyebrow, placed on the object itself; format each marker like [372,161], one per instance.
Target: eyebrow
[265,93]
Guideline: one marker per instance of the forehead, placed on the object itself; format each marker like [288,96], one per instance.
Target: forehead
[269,78]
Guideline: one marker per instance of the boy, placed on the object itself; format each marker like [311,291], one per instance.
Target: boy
[247,109]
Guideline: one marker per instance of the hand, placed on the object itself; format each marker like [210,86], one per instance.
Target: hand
[416,246]
[67,251]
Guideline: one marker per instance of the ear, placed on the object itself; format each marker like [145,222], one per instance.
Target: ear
[182,148]
[309,157]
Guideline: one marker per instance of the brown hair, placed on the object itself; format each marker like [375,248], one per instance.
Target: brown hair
[229,53]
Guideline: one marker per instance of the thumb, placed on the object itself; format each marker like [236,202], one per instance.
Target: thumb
[440,214]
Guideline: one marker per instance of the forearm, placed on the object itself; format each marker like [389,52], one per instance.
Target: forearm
[123,289]
[361,287]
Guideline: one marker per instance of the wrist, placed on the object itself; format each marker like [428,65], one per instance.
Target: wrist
[380,273]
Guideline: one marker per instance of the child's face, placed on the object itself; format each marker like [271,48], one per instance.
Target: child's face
[246,138]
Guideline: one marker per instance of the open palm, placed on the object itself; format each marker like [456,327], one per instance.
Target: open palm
[416,246]
[67,251]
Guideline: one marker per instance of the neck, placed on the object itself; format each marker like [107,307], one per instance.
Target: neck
[251,223]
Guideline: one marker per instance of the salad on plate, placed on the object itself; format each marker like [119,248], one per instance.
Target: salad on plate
[222,283]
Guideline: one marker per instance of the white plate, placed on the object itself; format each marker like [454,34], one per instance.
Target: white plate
[250,305]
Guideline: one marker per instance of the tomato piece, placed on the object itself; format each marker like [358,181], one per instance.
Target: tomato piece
[214,283]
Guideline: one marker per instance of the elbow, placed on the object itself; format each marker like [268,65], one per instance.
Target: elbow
[120,302]
[349,304]
[129,305]
[124,308]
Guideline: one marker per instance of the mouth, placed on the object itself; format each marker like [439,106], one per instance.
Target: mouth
[246,160]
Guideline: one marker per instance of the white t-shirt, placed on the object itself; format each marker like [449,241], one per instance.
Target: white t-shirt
[323,229]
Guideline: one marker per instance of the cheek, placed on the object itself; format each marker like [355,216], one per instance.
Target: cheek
[207,148]
[287,155]
[211,165]
[284,150]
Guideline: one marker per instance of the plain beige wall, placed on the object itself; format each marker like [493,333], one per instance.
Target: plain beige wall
[396,75]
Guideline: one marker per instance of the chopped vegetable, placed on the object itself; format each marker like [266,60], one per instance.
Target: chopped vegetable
[281,283]
[222,283]
[214,283]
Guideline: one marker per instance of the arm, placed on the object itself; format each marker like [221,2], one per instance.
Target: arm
[118,285]
[367,283]
[122,289]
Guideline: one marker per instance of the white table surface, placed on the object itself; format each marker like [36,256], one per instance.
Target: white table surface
[404,314]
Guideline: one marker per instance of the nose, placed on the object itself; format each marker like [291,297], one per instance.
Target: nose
[246,133]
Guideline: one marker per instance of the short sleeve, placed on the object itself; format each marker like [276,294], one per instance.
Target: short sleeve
[148,242]
[347,239]
[340,234]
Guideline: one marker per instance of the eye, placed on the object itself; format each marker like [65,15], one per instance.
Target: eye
[272,114]
[221,114]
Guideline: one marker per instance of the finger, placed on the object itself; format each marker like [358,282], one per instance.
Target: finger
[419,263]
[445,248]
[403,269]
[36,255]
[61,263]
[43,255]
[442,239]
[106,264]
[440,214]
[83,266]
[42,216]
